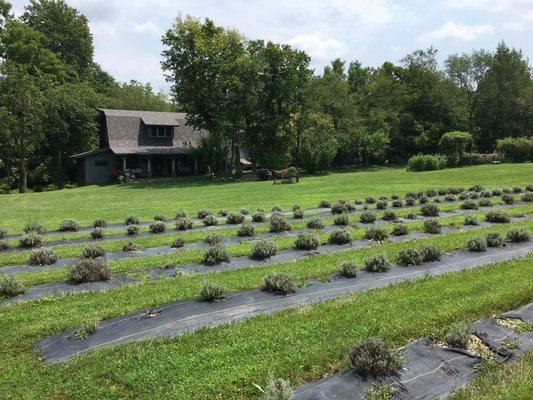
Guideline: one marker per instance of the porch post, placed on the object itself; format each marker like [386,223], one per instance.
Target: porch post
[173,165]
[149,167]
[124,166]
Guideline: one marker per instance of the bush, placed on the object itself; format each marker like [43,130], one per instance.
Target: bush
[348,269]
[389,216]
[132,220]
[506,190]
[476,188]
[204,213]
[258,216]
[372,357]
[463,196]
[517,235]
[9,287]
[449,197]
[496,192]
[324,204]
[90,270]
[397,203]
[30,240]
[69,225]
[160,217]
[377,234]
[34,227]
[411,216]
[298,214]
[315,223]
[215,255]
[278,223]
[527,197]
[508,198]
[213,239]
[486,193]
[455,144]
[277,389]
[377,263]
[458,335]
[276,208]
[4,244]
[263,249]
[476,244]
[426,162]
[432,226]
[3,232]
[422,200]
[370,200]
[495,239]
[430,253]
[342,220]
[431,193]
[429,210]
[339,208]
[97,233]
[212,292]
[484,202]
[180,214]
[42,256]
[133,229]
[497,217]
[408,257]
[235,218]
[306,241]
[517,149]
[471,219]
[473,195]
[210,220]
[400,230]
[382,204]
[278,283]
[244,211]
[177,243]
[367,217]
[130,246]
[92,251]
[157,227]
[410,201]
[99,223]
[340,236]
[296,207]
[246,230]
[469,205]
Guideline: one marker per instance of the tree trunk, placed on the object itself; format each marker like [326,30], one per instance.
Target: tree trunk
[23,176]
[58,166]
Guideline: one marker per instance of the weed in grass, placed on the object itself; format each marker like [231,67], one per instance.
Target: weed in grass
[42,256]
[517,235]
[306,241]
[216,254]
[10,287]
[348,269]
[279,283]
[476,244]
[377,263]
[379,393]
[133,229]
[89,270]
[184,224]
[86,330]
[93,251]
[30,240]
[263,249]
[458,335]
[212,292]
[373,357]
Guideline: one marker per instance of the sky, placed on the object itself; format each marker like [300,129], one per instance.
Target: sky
[127,33]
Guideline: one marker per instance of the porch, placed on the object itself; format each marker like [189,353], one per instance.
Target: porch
[155,166]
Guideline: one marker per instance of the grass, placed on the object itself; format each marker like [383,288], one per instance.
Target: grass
[497,381]
[301,344]
[148,198]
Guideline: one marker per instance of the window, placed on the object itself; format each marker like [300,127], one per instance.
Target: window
[100,163]
[160,131]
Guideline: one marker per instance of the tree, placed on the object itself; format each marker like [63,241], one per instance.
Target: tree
[318,144]
[5,8]
[21,113]
[136,96]
[66,31]
[503,92]
[455,144]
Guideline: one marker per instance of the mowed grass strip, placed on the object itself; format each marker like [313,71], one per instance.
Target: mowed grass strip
[148,198]
[301,344]
[74,250]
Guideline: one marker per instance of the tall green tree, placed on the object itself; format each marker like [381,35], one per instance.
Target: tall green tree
[21,115]
[5,8]
[134,95]
[66,31]
[318,145]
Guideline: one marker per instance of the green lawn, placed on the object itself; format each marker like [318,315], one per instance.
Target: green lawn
[149,198]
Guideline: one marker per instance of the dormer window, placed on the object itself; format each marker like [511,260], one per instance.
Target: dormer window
[159,131]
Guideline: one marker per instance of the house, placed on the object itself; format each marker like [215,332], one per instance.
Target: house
[140,144]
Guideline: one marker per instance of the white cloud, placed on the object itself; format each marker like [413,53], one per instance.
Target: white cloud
[452,30]
[147,28]
[318,46]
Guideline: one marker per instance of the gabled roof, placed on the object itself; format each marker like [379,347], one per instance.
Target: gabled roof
[149,117]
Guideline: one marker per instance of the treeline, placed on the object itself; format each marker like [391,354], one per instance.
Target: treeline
[50,89]
[264,97]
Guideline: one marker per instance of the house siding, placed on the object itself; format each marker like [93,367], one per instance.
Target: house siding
[94,169]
